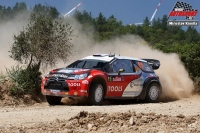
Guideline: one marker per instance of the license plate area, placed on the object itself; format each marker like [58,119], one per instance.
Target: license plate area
[54,91]
[56,85]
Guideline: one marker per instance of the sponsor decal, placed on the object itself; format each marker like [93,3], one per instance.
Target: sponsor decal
[55,84]
[122,78]
[151,75]
[83,91]
[59,75]
[109,78]
[74,84]
[55,91]
[116,79]
[114,88]
[132,84]
[85,82]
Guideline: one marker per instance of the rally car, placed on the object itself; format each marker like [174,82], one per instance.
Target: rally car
[104,76]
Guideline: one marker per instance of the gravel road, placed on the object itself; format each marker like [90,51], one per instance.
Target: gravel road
[32,118]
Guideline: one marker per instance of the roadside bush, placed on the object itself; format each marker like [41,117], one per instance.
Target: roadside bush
[197,85]
[24,80]
[3,78]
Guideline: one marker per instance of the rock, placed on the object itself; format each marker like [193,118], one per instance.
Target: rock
[193,125]
[101,119]
[109,129]
[131,121]
[180,116]
[57,120]
[89,126]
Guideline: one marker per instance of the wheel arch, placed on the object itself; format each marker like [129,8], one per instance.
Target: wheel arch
[100,80]
[148,82]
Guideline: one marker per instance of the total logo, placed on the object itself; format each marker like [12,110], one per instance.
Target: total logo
[114,88]
[117,79]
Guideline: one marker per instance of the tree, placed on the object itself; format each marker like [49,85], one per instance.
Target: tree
[43,42]
[19,7]
[100,22]
[46,10]
[164,22]
[146,22]
[192,35]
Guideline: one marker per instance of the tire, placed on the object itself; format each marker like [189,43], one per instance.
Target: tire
[53,100]
[153,93]
[96,94]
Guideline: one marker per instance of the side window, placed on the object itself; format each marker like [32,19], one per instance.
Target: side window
[144,66]
[122,64]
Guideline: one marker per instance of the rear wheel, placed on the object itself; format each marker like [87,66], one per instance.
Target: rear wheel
[96,94]
[53,100]
[153,93]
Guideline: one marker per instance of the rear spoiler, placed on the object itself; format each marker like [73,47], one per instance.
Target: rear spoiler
[154,64]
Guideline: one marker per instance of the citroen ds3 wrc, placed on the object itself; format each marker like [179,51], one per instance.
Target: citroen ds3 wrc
[104,76]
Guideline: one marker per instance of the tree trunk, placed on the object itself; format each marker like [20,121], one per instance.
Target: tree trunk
[38,65]
[30,61]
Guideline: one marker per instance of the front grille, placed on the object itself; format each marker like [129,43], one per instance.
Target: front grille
[57,79]
[58,84]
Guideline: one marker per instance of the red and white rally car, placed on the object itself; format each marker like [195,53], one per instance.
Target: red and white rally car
[104,76]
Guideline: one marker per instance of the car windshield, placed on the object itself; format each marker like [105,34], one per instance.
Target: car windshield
[88,64]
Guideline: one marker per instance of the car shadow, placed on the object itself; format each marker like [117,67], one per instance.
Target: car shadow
[84,101]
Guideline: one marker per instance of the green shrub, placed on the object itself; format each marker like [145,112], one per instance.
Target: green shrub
[24,80]
[197,85]
[3,78]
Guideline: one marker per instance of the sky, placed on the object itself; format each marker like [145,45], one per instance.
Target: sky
[128,11]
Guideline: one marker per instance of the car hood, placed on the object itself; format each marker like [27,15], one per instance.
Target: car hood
[68,71]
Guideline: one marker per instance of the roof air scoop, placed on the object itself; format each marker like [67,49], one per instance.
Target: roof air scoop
[100,55]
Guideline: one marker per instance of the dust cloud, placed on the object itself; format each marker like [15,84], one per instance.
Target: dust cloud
[7,31]
[174,77]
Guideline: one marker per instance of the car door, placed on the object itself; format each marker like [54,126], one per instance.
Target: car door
[122,83]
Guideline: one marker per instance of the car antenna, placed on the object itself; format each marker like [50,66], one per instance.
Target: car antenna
[119,45]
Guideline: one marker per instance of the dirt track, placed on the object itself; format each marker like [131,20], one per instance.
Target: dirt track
[175,116]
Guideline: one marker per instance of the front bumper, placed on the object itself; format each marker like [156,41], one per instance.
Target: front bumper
[67,88]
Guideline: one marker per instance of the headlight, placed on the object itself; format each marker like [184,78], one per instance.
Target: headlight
[81,76]
[78,77]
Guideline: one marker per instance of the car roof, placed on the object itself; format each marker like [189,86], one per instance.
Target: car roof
[129,58]
[103,58]
[108,57]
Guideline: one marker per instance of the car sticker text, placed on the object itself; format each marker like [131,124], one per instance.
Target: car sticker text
[114,88]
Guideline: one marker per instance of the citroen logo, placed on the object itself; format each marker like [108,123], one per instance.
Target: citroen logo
[56,78]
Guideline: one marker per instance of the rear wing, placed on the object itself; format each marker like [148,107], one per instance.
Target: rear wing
[154,64]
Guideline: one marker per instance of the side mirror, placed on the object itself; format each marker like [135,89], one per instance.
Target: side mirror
[120,70]
[155,66]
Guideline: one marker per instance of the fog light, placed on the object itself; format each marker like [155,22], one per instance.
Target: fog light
[75,93]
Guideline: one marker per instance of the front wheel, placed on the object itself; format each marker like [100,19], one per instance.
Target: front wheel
[53,100]
[153,93]
[96,94]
